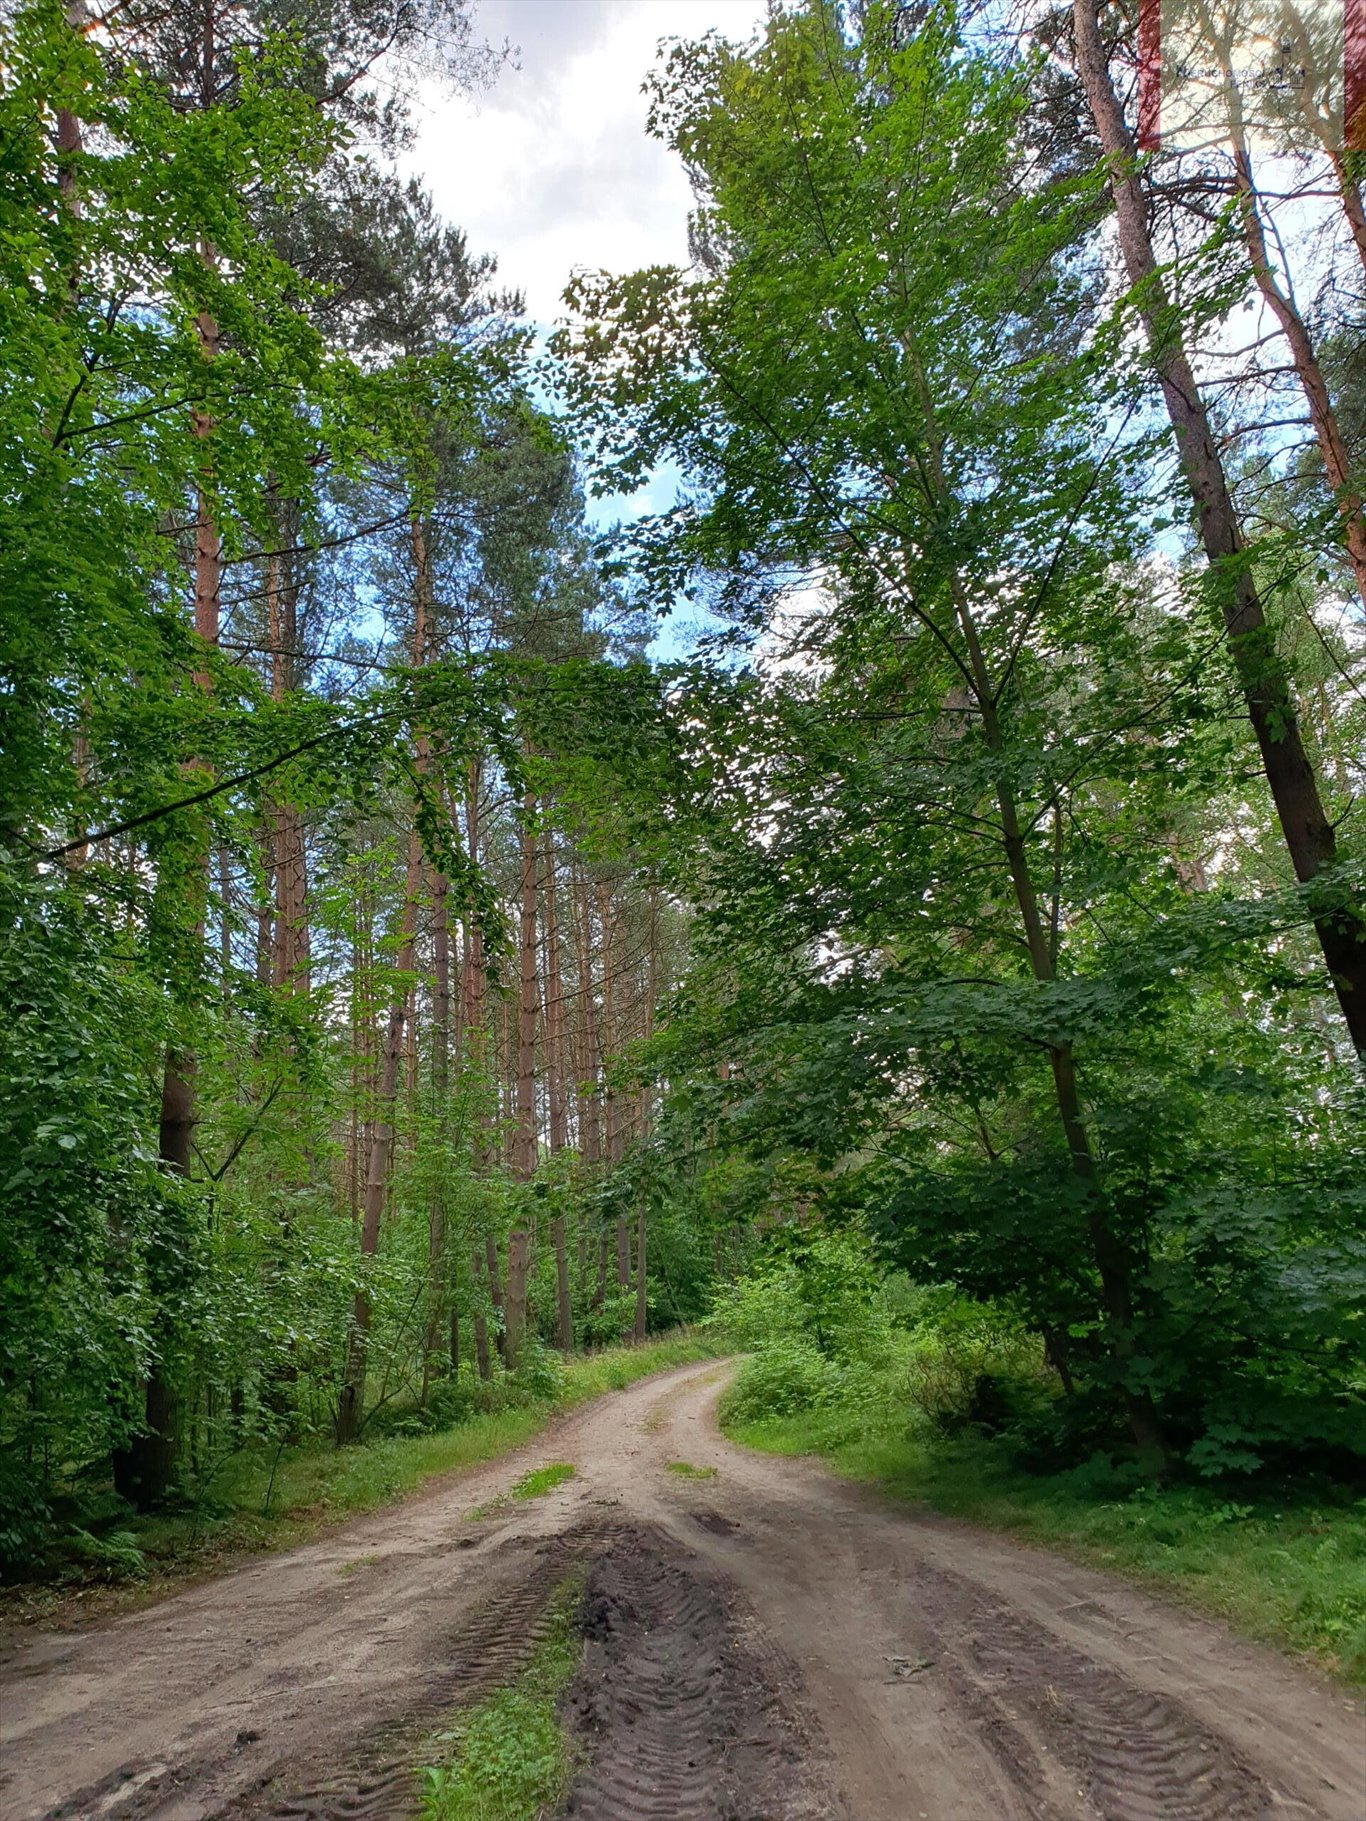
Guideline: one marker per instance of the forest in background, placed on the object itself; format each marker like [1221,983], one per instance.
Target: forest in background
[952,973]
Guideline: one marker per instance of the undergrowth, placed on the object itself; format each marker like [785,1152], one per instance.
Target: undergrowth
[935,1398]
[273,1498]
[508,1758]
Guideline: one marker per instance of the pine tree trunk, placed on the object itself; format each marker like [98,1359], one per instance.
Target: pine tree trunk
[1337,461]
[1305,824]
[641,1305]
[558,1089]
[351,1407]
[436,1210]
[524,1104]
[290,944]
[590,1058]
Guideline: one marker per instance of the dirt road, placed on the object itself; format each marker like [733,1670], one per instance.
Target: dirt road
[766,1644]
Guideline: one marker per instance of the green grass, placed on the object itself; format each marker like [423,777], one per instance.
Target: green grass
[1288,1568]
[542,1480]
[686,1471]
[532,1485]
[262,1499]
[508,1758]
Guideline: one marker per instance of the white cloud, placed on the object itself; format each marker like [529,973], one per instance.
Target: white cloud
[552,168]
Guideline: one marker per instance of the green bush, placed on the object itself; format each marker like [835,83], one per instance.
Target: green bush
[821,1284]
[782,1379]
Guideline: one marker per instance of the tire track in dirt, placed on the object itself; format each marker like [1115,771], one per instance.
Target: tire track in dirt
[963,1676]
[376,1780]
[680,1709]
[1138,1756]
[379,1783]
[957,1675]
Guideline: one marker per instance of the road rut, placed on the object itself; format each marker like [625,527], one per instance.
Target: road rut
[768,1644]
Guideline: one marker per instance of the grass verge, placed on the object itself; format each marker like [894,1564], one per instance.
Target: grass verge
[264,1499]
[1287,1567]
[508,1758]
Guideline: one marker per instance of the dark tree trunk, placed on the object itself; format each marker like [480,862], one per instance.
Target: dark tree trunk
[1305,824]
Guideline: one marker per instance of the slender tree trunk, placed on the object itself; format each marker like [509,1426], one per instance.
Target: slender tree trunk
[648,1022]
[351,1408]
[474,1050]
[1113,1266]
[144,1468]
[1337,461]
[524,1128]
[436,1210]
[611,1040]
[590,1061]
[558,1092]
[642,1310]
[600,1291]
[1309,833]
[482,1357]
[290,944]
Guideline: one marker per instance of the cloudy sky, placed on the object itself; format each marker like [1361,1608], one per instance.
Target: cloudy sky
[551,168]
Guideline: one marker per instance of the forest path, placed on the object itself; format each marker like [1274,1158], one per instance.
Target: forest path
[956,1676]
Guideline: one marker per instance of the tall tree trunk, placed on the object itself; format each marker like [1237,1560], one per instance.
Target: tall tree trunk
[590,1056]
[351,1407]
[647,1031]
[1110,1256]
[290,944]
[474,1052]
[642,1309]
[524,1127]
[483,1359]
[1309,833]
[611,1043]
[144,1468]
[558,1090]
[1279,299]
[436,1208]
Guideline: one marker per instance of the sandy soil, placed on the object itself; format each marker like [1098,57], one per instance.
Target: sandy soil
[768,1644]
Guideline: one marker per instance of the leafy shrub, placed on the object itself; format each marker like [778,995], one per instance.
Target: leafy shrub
[782,1379]
[25,1516]
[541,1372]
[606,1326]
[821,1284]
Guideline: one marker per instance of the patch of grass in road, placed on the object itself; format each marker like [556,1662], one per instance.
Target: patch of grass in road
[266,1498]
[542,1480]
[360,1561]
[1286,1566]
[532,1485]
[508,1759]
[686,1471]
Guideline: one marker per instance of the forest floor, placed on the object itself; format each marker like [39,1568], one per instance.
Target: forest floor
[762,1639]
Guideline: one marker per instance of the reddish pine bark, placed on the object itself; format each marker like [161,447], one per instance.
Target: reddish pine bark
[1309,834]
